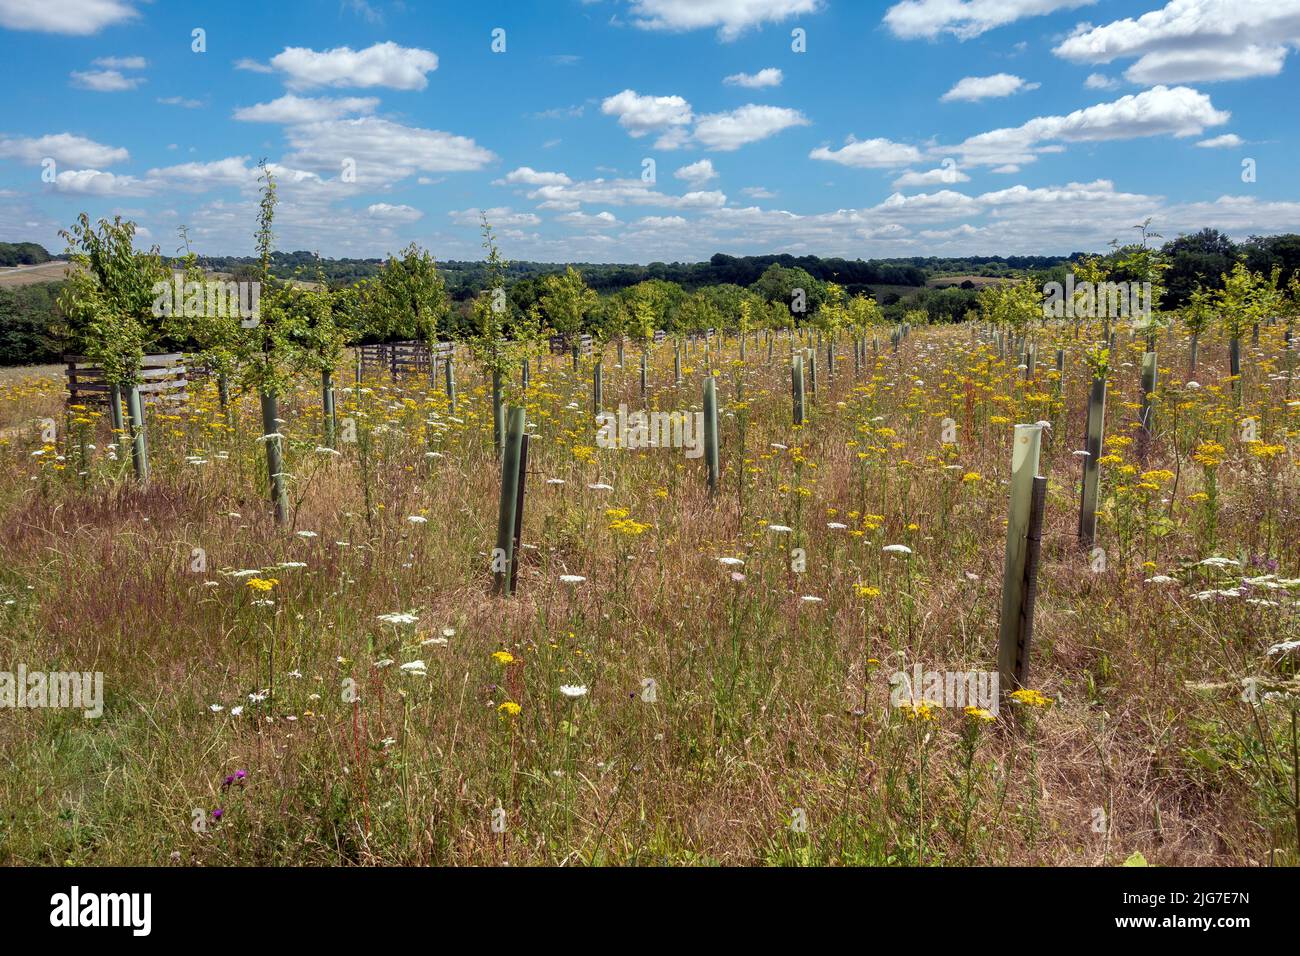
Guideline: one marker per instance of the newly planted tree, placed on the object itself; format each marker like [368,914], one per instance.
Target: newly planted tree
[110,302]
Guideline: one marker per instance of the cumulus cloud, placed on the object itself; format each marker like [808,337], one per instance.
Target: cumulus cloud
[640,115]
[383,64]
[499,216]
[1100,81]
[728,131]
[381,149]
[878,153]
[940,175]
[64,148]
[1174,111]
[975,88]
[731,17]
[104,81]
[767,77]
[391,213]
[527,176]
[305,109]
[1193,40]
[697,174]
[621,192]
[965,19]
[73,17]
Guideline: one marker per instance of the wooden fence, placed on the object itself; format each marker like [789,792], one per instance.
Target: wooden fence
[405,358]
[162,378]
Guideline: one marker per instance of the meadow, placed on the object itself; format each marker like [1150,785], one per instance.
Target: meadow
[669,684]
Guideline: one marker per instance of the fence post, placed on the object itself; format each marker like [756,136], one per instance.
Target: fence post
[1024,470]
[597,387]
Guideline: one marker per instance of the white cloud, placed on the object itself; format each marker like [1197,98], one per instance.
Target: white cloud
[400,213]
[1193,40]
[975,88]
[104,81]
[64,148]
[878,153]
[121,62]
[383,151]
[1100,81]
[292,109]
[600,220]
[938,176]
[384,64]
[1226,141]
[965,18]
[1177,111]
[498,216]
[724,132]
[95,183]
[770,76]
[640,115]
[75,17]
[527,176]
[181,102]
[697,174]
[731,17]
[252,66]
[621,192]
[758,192]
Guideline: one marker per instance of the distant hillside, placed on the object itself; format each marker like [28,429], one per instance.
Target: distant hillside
[22,254]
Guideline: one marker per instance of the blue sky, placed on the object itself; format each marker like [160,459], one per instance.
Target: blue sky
[924,127]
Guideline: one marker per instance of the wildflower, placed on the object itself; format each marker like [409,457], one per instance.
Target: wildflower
[919,710]
[262,584]
[896,549]
[779,528]
[397,617]
[509,709]
[572,578]
[1030,698]
[414,668]
[866,591]
[979,714]
[573,691]
[503,657]
[730,561]
[970,476]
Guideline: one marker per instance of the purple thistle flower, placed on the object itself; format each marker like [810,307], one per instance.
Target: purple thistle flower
[217,814]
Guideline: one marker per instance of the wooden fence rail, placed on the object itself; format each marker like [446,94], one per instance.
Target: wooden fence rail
[162,378]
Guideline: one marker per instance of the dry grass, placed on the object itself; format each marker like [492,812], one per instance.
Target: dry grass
[770,710]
